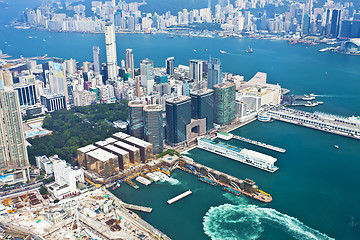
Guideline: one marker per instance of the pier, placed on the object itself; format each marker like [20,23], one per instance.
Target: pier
[228,136]
[216,178]
[348,127]
[136,207]
[181,196]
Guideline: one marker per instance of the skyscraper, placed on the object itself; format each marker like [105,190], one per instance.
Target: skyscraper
[178,115]
[147,70]
[214,72]
[136,118]
[26,93]
[111,57]
[169,63]
[57,79]
[196,70]
[202,106]
[13,154]
[153,127]
[129,57]
[97,59]
[224,97]
[335,23]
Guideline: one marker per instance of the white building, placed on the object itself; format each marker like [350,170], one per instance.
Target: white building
[111,57]
[66,178]
[45,164]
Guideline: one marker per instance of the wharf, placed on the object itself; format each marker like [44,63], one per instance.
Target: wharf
[136,207]
[232,184]
[181,196]
[260,144]
[348,127]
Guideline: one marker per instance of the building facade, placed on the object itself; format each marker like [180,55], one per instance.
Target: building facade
[153,127]
[224,97]
[111,56]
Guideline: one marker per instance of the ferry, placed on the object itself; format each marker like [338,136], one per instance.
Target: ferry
[161,175]
[224,52]
[249,157]
[143,180]
[153,177]
[308,97]
[311,104]
[116,186]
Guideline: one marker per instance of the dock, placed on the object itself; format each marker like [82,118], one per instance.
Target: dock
[260,144]
[344,126]
[181,196]
[136,207]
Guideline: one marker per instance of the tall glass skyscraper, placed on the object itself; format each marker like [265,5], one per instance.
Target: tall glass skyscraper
[136,118]
[202,106]
[224,97]
[196,70]
[178,115]
[214,72]
[153,127]
[169,66]
[111,57]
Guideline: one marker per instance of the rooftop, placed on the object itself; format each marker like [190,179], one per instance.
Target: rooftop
[87,148]
[121,135]
[116,150]
[106,142]
[137,103]
[127,146]
[154,107]
[226,84]
[178,99]
[267,158]
[201,92]
[138,142]
[101,155]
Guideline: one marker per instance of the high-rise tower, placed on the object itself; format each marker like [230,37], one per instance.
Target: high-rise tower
[13,153]
[196,70]
[170,66]
[214,72]
[129,57]
[97,59]
[111,57]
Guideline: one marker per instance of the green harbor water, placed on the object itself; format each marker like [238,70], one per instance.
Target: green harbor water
[316,190]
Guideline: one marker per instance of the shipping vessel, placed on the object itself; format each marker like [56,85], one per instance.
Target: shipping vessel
[249,157]
[143,180]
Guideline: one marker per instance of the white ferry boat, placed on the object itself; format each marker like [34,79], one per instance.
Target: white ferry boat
[252,158]
[161,175]
[153,177]
[309,98]
[143,180]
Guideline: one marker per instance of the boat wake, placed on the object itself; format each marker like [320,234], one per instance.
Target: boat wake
[334,96]
[244,221]
[171,180]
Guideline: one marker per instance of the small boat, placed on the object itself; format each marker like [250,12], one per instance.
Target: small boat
[194,50]
[336,146]
[116,186]
[249,51]
[224,52]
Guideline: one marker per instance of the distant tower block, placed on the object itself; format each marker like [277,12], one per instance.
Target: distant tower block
[153,127]
[129,59]
[111,56]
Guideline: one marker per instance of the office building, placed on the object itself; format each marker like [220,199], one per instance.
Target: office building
[196,70]
[214,72]
[202,106]
[57,79]
[70,66]
[147,70]
[8,78]
[153,127]
[13,153]
[53,102]
[136,119]
[335,23]
[129,57]
[97,59]
[178,115]
[26,93]
[111,57]
[45,164]
[224,97]
[81,153]
[169,64]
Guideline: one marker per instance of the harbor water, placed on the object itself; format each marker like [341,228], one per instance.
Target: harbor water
[316,190]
